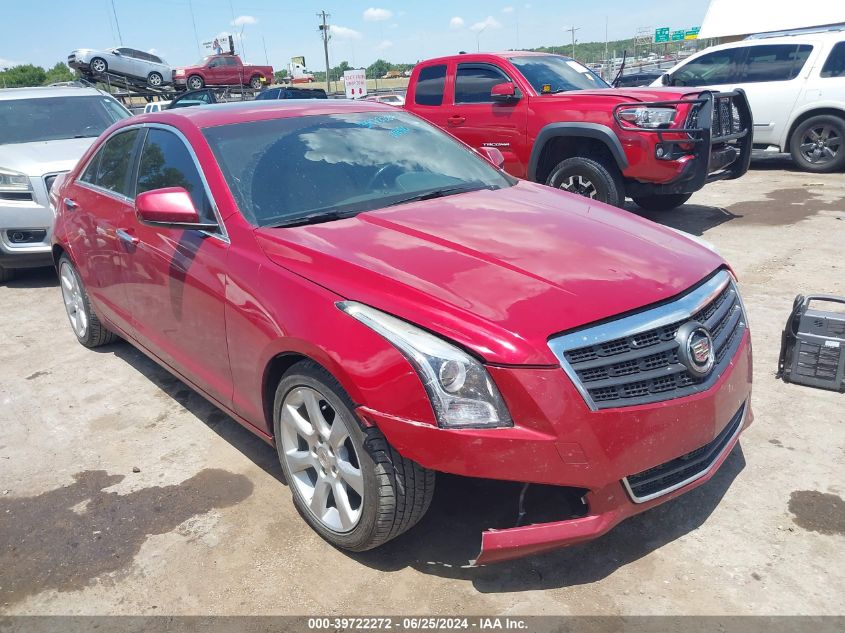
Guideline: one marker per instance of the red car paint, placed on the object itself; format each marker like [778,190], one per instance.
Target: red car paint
[523,129]
[498,272]
[222,70]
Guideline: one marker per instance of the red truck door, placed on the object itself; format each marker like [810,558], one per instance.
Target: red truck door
[429,98]
[479,121]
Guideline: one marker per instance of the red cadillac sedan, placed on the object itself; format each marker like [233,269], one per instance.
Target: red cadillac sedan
[382,303]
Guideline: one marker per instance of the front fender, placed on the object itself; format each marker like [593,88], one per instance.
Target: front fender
[595,131]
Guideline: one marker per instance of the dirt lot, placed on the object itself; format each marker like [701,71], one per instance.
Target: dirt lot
[206,526]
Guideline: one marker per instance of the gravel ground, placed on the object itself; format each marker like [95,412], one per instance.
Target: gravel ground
[124,492]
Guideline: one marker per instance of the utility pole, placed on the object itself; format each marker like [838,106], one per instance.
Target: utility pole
[194,22]
[324,29]
[117,24]
[572,30]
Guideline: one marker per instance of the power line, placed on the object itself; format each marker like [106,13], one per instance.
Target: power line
[194,22]
[116,23]
[572,30]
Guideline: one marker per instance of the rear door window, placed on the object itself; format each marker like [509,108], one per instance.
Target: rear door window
[474,82]
[834,65]
[431,83]
[718,67]
[775,62]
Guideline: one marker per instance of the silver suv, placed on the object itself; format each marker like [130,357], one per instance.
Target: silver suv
[126,62]
[43,133]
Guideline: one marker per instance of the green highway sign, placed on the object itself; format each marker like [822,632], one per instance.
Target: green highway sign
[678,35]
[692,34]
[661,34]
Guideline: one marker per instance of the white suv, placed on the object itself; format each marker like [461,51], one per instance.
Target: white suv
[795,85]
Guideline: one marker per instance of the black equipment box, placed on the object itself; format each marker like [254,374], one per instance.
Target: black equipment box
[813,345]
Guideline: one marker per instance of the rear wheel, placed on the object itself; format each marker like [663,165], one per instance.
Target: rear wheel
[98,65]
[6,274]
[588,178]
[818,144]
[195,82]
[661,202]
[83,320]
[255,83]
[347,482]
[155,79]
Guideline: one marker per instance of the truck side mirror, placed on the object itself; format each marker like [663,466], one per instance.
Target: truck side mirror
[666,79]
[504,92]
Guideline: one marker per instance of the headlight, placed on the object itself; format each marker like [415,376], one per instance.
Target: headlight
[13,181]
[642,116]
[459,387]
[178,72]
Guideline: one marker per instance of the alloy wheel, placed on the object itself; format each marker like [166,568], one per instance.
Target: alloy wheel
[74,300]
[580,185]
[98,66]
[820,144]
[155,79]
[321,459]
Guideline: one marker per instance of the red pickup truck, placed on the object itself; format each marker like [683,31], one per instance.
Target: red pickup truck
[222,70]
[558,123]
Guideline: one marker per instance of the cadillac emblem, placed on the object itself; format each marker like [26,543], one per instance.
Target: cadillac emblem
[695,348]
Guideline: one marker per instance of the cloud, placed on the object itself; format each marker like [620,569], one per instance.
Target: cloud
[243,20]
[507,10]
[487,23]
[384,45]
[377,15]
[456,23]
[8,63]
[344,33]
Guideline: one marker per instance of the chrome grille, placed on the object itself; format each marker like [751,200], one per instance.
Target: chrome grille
[634,360]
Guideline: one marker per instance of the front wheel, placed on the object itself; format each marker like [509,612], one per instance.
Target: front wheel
[347,482]
[195,82]
[83,320]
[588,178]
[817,144]
[155,79]
[98,65]
[255,83]
[661,202]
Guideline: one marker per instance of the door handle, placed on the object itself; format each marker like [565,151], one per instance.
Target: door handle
[126,237]
[456,119]
[70,205]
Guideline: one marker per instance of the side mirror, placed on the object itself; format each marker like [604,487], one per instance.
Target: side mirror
[666,79]
[493,156]
[504,92]
[171,207]
[114,51]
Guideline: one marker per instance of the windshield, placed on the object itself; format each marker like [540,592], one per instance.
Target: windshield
[549,74]
[283,170]
[55,118]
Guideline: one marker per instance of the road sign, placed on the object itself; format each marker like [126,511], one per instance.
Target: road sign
[692,34]
[661,34]
[355,82]
[678,35]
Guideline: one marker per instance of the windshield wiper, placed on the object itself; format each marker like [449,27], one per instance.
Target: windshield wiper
[314,218]
[442,192]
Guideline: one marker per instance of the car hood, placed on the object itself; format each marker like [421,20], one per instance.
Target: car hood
[44,157]
[496,271]
[629,94]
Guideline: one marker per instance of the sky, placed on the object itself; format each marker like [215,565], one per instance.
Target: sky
[45,31]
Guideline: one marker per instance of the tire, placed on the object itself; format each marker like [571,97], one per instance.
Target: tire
[818,144]
[588,178]
[98,65]
[84,322]
[255,83]
[155,79]
[6,274]
[195,82]
[662,202]
[395,492]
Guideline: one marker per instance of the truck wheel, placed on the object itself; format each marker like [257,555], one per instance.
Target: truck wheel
[6,274]
[83,320]
[155,79]
[661,202]
[347,482]
[98,65]
[817,144]
[195,82]
[588,178]
[255,83]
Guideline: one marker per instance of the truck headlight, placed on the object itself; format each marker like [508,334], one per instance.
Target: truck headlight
[459,387]
[643,116]
[14,181]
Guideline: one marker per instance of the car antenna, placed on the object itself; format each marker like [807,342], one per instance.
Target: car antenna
[615,82]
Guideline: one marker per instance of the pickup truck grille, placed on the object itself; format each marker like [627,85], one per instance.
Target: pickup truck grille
[635,360]
[724,122]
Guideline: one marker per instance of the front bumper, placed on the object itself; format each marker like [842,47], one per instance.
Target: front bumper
[26,228]
[557,439]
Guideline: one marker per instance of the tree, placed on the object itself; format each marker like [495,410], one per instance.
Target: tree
[23,76]
[378,68]
[59,72]
[279,75]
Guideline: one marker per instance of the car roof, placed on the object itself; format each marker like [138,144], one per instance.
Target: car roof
[502,55]
[243,111]
[792,38]
[48,91]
